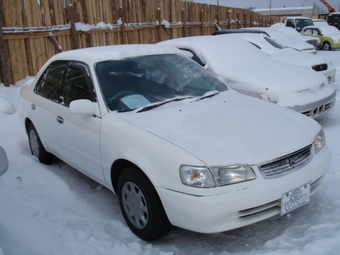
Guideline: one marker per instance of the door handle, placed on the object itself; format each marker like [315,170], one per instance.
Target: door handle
[60,119]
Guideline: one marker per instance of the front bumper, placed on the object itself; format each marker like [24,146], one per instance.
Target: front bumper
[240,206]
[335,45]
[318,108]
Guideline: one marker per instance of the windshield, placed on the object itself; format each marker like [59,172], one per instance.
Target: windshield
[273,43]
[301,23]
[138,82]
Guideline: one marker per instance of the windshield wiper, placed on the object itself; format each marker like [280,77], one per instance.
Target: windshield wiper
[209,95]
[147,108]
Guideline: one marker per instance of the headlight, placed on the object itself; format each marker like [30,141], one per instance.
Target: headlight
[319,141]
[226,175]
[203,177]
[199,177]
[271,98]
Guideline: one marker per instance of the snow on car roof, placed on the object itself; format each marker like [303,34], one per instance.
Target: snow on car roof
[114,52]
[243,53]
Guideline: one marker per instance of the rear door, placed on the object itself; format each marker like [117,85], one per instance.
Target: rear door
[46,101]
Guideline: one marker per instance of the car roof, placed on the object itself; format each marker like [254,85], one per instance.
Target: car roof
[240,30]
[113,52]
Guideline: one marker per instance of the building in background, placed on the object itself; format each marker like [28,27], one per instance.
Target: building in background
[306,11]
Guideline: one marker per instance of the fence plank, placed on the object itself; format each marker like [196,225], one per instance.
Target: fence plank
[25,52]
[3,54]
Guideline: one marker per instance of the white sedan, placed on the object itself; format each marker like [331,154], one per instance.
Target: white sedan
[296,35]
[288,55]
[173,142]
[254,73]
[287,40]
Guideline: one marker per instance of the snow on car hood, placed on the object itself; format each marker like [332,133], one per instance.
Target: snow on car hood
[228,128]
[270,75]
[298,58]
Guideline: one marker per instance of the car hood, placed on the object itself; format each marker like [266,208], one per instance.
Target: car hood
[228,128]
[298,58]
[296,44]
[269,76]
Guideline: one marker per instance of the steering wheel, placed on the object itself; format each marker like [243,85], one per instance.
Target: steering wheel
[113,102]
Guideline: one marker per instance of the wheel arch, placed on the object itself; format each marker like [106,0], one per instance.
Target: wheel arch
[116,169]
[27,123]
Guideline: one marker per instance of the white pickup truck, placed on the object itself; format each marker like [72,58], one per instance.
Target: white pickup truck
[298,22]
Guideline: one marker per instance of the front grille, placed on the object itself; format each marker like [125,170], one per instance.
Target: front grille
[318,110]
[320,68]
[287,163]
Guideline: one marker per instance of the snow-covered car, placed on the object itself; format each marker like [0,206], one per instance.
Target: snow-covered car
[254,73]
[287,40]
[174,143]
[316,42]
[3,161]
[329,36]
[320,22]
[288,55]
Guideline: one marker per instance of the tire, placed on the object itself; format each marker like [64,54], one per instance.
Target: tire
[326,46]
[36,147]
[140,205]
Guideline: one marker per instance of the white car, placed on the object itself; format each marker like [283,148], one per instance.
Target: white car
[3,161]
[171,140]
[254,73]
[288,55]
[316,42]
[287,40]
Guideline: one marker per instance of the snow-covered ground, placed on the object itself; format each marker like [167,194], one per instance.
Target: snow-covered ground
[55,210]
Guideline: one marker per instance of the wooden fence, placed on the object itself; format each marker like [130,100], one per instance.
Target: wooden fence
[31,31]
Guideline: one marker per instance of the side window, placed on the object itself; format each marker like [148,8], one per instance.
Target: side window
[290,23]
[49,85]
[308,31]
[316,31]
[76,86]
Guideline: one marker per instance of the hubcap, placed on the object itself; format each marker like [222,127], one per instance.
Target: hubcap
[326,46]
[34,143]
[135,205]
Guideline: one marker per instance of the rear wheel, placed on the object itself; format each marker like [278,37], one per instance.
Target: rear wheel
[37,149]
[141,206]
[326,46]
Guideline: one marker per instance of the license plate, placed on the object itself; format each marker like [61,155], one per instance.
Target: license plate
[295,199]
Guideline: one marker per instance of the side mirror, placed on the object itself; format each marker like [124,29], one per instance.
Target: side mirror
[319,33]
[3,161]
[82,107]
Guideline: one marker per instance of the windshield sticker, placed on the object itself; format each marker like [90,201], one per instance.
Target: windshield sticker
[135,101]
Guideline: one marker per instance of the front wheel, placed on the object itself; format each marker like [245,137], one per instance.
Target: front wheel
[327,46]
[37,149]
[141,206]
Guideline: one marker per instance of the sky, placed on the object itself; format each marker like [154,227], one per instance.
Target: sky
[274,3]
